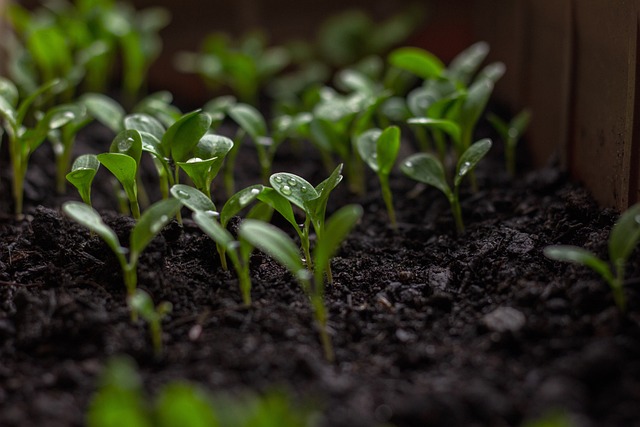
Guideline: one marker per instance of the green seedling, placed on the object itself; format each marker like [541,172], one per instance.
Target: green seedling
[205,214]
[142,304]
[511,133]
[417,61]
[83,171]
[427,168]
[379,149]
[623,239]
[313,202]
[23,140]
[208,156]
[151,222]
[283,249]
[122,161]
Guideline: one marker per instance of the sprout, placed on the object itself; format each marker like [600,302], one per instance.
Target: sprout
[281,247]
[624,237]
[122,161]
[204,214]
[150,224]
[426,168]
[141,303]
[83,171]
[511,133]
[417,61]
[379,150]
[209,153]
[24,141]
[313,202]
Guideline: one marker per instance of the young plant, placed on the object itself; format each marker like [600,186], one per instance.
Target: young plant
[623,239]
[313,202]
[83,171]
[205,161]
[141,303]
[427,168]
[151,222]
[204,214]
[23,140]
[379,149]
[122,161]
[283,249]
[511,133]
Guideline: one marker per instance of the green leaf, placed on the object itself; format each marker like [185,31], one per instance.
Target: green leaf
[337,228]
[417,61]
[519,124]
[492,72]
[8,113]
[214,147]
[104,109]
[142,304]
[184,405]
[151,222]
[387,147]
[281,205]
[355,81]
[470,158]
[128,142]
[293,188]
[124,168]
[475,103]
[366,143]
[449,127]
[275,243]
[239,201]
[88,217]
[199,170]
[316,208]
[426,168]
[466,63]
[83,171]
[193,199]
[213,229]
[144,123]
[183,135]
[46,90]
[580,256]
[625,235]
[249,119]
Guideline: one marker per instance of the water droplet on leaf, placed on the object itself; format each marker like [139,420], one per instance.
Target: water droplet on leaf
[286,190]
[464,168]
[183,194]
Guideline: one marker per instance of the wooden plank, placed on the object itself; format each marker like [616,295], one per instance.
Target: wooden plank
[603,98]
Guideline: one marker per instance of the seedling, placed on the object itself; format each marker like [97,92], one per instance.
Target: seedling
[623,239]
[312,201]
[23,141]
[83,171]
[204,214]
[141,303]
[150,224]
[379,149]
[427,168]
[283,249]
[511,133]
[208,156]
[122,161]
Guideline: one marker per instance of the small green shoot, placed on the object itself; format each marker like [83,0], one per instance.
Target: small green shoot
[151,222]
[204,214]
[122,161]
[283,249]
[312,201]
[511,133]
[141,303]
[83,171]
[623,239]
[417,61]
[428,169]
[379,149]
[208,156]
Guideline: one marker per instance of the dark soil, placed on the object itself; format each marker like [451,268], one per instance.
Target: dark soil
[430,329]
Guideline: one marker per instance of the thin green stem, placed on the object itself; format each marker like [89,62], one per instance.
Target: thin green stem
[387,196]
[454,200]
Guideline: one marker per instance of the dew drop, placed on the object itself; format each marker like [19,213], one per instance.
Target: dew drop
[255,191]
[464,168]
[409,165]
[278,179]
[157,226]
[183,194]
[212,214]
[286,190]
[303,189]
[292,182]
[194,160]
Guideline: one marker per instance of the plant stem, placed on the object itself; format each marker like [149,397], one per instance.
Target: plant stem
[388,200]
[454,200]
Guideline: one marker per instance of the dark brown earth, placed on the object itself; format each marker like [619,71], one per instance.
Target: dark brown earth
[430,329]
